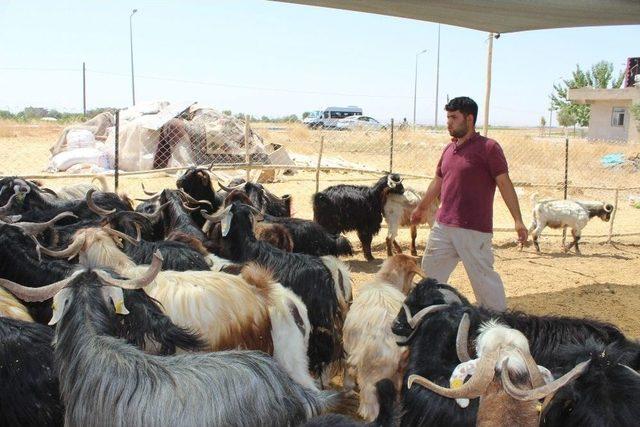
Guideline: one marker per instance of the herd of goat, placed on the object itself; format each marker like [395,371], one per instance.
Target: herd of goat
[203,307]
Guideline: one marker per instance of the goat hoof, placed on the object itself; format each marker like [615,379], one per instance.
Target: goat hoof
[414,253]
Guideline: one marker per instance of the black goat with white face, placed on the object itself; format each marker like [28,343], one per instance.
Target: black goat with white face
[323,288]
[344,207]
[189,389]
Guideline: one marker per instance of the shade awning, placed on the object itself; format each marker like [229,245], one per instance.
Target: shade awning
[498,16]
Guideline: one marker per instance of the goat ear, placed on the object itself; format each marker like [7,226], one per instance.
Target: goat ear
[59,305]
[115,295]
[225,224]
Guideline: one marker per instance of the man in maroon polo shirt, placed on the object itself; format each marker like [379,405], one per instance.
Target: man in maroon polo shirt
[466,177]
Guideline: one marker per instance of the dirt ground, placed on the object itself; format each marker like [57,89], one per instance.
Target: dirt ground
[602,283]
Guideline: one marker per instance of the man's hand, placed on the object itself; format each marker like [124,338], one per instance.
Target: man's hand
[522,231]
[418,216]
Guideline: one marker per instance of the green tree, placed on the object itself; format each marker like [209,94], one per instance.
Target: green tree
[566,118]
[306,114]
[600,76]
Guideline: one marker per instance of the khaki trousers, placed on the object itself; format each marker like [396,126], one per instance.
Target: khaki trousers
[448,245]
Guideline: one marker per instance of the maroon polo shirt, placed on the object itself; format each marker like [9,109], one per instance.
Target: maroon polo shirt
[468,177]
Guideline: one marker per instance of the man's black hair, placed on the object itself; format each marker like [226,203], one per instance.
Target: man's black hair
[465,105]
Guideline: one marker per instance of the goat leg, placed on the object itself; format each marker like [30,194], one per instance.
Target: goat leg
[414,234]
[397,246]
[389,241]
[365,240]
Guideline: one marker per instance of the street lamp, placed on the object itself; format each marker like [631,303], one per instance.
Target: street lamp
[133,86]
[415,88]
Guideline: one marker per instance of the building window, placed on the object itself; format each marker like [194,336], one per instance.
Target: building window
[617,118]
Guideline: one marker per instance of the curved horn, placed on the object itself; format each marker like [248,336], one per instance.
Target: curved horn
[120,235]
[216,217]
[49,191]
[532,368]
[230,189]
[540,392]
[69,252]
[42,293]
[150,193]
[608,208]
[462,339]
[473,388]
[633,371]
[33,228]
[95,208]
[4,210]
[139,282]
[258,214]
[415,320]
[192,200]
[151,217]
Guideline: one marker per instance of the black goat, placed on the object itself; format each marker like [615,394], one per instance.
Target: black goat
[606,394]
[308,276]
[261,198]
[176,218]
[196,182]
[308,237]
[29,388]
[343,207]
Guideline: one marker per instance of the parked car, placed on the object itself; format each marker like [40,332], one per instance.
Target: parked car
[328,117]
[359,123]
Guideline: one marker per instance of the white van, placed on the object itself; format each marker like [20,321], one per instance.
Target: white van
[328,117]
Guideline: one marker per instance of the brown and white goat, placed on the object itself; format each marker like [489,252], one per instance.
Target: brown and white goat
[503,357]
[397,213]
[250,311]
[372,352]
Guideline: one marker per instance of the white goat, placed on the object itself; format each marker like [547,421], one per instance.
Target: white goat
[566,213]
[250,311]
[372,352]
[397,213]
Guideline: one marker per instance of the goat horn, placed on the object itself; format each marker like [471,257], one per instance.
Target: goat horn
[120,234]
[462,339]
[4,210]
[137,283]
[415,320]
[69,252]
[608,208]
[230,189]
[216,217]
[138,232]
[631,369]
[49,191]
[473,388]
[532,367]
[150,193]
[95,208]
[192,200]
[41,293]
[103,182]
[34,228]
[540,392]
[154,216]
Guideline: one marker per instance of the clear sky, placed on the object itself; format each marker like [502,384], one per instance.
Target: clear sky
[274,59]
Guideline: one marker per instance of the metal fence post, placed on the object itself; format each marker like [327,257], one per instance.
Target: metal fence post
[319,163]
[391,149]
[247,157]
[613,215]
[116,173]
[566,181]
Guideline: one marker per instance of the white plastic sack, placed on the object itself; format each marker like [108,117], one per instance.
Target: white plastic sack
[80,138]
[66,159]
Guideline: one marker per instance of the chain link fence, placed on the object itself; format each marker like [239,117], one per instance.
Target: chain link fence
[299,160]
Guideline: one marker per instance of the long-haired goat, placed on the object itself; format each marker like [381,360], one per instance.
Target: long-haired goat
[231,388]
[370,345]
[323,284]
[566,213]
[250,311]
[343,207]
[261,198]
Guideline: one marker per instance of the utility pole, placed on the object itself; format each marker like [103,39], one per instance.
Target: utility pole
[133,86]
[487,95]
[415,89]
[435,120]
[84,90]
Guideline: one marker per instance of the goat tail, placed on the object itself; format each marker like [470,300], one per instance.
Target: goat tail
[343,246]
[261,278]
[534,199]
[388,414]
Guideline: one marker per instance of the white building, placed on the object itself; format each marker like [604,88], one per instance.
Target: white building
[611,117]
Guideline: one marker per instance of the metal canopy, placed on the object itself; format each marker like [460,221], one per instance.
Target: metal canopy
[498,16]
